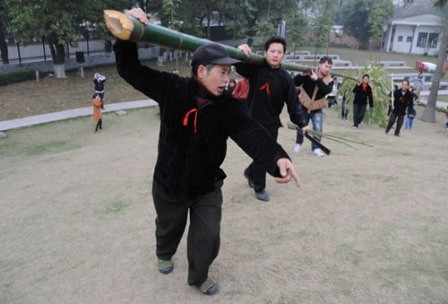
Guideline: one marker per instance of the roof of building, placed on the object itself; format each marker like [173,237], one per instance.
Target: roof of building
[420,20]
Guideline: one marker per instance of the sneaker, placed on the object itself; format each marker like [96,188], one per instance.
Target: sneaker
[262,195]
[209,287]
[318,152]
[250,181]
[297,148]
[165,266]
[355,127]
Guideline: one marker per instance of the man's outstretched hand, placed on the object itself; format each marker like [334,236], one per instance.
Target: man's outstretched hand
[287,172]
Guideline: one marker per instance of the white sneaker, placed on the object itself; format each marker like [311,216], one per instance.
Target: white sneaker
[318,152]
[297,148]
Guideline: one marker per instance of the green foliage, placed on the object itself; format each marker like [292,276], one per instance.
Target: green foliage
[364,19]
[320,25]
[60,22]
[16,76]
[381,86]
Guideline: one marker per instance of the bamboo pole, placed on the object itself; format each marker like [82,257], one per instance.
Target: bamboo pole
[125,27]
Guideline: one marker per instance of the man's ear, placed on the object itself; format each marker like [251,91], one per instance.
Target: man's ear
[202,71]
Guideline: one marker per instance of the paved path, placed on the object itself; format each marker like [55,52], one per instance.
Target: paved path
[87,111]
[50,117]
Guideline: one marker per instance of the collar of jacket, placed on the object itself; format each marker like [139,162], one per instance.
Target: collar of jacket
[203,96]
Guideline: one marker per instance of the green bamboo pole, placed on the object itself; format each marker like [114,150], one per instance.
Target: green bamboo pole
[125,27]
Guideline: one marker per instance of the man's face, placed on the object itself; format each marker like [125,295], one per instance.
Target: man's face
[274,55]
[324,69]
[214,80]
[404,86]
[366,80]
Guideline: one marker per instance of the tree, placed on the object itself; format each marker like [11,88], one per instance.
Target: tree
[60,22]
[363,19]
[3,44]
[429,114]
[323,11]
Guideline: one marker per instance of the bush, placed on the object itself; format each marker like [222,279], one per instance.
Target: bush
[16,76]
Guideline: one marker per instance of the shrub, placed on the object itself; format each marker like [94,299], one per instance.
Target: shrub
[16,76]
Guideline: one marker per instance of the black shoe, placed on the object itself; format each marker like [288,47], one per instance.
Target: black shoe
[397,134]
[249,180]
[262,195]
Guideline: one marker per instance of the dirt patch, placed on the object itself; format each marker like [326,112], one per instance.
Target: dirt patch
[77,219]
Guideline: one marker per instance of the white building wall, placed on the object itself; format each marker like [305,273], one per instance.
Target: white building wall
[405,32]
[430,50]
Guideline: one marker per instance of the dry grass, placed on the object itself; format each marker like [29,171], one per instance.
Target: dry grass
[367,225]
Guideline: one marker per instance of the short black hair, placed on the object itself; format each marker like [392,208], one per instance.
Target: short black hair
[365,75]
[326,59]
[275,39]
[95,95]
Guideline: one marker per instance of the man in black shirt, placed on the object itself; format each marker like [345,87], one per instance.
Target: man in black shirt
[196,119]
[270,87]
[403,99]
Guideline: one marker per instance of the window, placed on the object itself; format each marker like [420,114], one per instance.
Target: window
[421,40]
[409,39]
[400,38]
[432,40]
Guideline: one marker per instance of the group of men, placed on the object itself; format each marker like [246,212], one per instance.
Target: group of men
[197,116]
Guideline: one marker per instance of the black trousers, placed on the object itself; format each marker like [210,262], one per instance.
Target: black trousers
[257,170]
[99,125]
[392,118]
[359,111]
[203,234]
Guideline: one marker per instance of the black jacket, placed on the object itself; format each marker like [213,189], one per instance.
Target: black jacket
[269,90]
[361,96]
[308,85]
[192,139]
[403,101]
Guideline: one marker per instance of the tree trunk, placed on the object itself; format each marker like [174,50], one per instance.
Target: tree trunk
[209,17]
[429,114]
[58,56]
[3,45]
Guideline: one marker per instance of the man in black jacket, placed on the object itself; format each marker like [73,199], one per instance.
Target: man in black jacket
[363,92]
[403,99]
[270,87]
[196,118]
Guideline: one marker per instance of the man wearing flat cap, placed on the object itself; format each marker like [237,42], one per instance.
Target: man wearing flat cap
[196,118]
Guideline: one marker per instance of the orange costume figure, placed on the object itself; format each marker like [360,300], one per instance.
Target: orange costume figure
[97,113]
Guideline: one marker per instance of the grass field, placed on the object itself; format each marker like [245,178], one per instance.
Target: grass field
[51,95]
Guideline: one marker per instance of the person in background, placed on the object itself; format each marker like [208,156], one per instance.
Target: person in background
[270,87]
[99,81]
[241,90]
[231,86]
[175,71]
[97,113]
[197,117]
[418,85]
[331,97]
[344,108]
[446,115]
[403,99]
[410,119]
[315,85]
[363,93]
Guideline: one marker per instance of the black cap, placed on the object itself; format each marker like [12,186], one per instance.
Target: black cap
[211,53]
